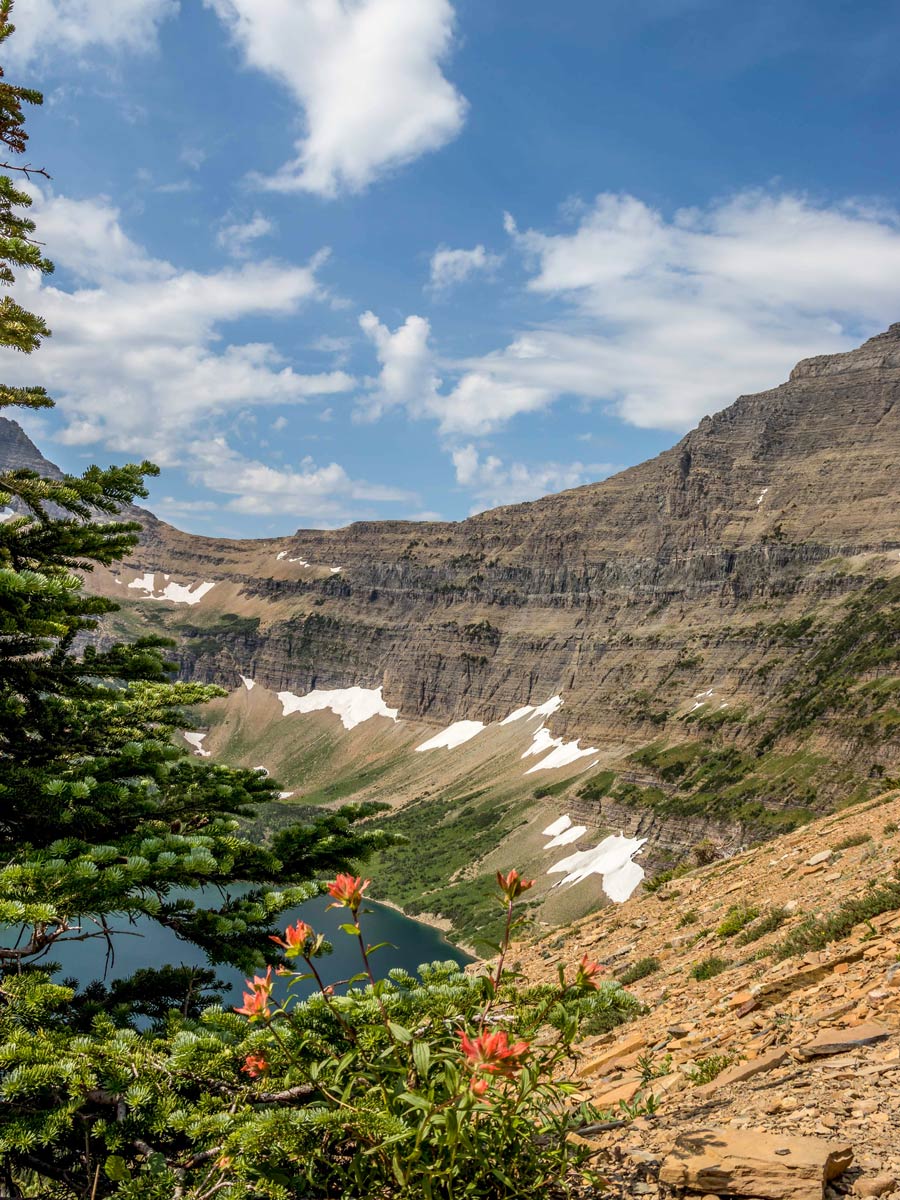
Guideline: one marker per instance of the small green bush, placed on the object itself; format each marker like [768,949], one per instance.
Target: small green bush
[707,968]
[854,839]
[705,1070]
[768,923]
[691,917]
[737,917]
[817,932]
[638,970]
[890,828]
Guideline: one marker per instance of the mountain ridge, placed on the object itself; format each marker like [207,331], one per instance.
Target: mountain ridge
[722,624]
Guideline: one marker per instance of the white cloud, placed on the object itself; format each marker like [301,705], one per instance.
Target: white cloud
[407,377]
[139,353]
[366,74]
[667,320]
[309,493]
[45,27]
[237,237]
[478,404]
[451,267]
[492,482]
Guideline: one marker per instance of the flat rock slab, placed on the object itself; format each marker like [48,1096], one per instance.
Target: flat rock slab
[838,1041]
[748,1162]
[745,1070]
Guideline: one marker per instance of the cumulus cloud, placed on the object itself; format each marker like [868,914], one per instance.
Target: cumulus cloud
[451,267]
[139,355]
[45,27]
[237,237]
[478,404]
[407,378]
[308,493]
[366,74]
[493,482]
[668,319]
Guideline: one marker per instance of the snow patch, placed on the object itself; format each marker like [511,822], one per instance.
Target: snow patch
[547,709]
[353,705]
[612,859]
[335,570]
[558,826]
[280,555]
[454,735]
[196,740]
[249,684]
[178,593]
[262,771]
[285,795]
[567,837]
[761,496]
[561,753]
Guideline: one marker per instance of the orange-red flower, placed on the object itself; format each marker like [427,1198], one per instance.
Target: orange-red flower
[255,1065]
[588,971]
[256,1001]
[296,938]
[513,885]
[491,1054]
[480,1086]
[347,890]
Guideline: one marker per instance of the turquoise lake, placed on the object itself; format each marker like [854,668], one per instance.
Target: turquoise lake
[146,944]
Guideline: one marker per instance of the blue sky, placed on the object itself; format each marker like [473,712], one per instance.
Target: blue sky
[327,260]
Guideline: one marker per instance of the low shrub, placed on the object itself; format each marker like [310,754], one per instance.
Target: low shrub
[768,923]
[639,970]
[708,968]
[705,1070]
[854,839]
[737,917]
[817,932]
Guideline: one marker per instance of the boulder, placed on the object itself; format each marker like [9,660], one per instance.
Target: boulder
[748,1162]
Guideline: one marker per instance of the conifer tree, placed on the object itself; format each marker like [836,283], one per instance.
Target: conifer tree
[102,817]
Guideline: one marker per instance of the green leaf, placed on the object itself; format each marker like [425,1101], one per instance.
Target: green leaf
[421,1053]
[116,1169]
[349,927]
[400,1032]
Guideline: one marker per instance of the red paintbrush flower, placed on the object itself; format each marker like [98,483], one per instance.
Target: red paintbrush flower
[347,890]
[513,885]
[297,938]
[587,972]
[255,1065]
[256,1001]
[491,1054]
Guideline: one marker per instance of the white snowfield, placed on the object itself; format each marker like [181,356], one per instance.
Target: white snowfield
[249,684]
[196,740]
[454,735]
[178,593]
[335,570]
[567,837]
[561,753]
[558,826]
[282,554]
[353,705]
[612,859]
[547,709]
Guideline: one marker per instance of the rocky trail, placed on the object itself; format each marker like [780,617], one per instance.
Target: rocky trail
[779,1075]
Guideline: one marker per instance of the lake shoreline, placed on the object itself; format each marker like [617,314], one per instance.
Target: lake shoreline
[435,921]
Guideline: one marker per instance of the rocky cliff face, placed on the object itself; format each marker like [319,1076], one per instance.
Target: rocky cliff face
[721,623]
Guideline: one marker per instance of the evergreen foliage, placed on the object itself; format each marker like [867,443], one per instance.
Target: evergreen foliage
[104,819]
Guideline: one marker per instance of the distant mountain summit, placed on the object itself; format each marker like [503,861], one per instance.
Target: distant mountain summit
[18,452]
